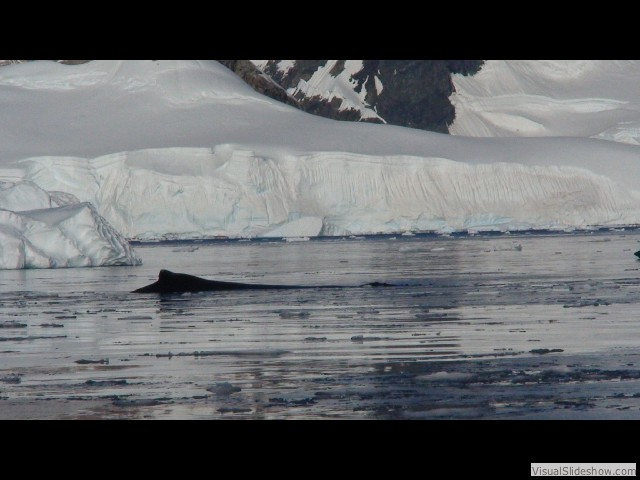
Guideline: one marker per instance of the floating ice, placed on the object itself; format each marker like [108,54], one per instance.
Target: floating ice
[50,236]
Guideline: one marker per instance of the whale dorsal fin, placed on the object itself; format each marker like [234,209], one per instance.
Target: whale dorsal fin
[164,274]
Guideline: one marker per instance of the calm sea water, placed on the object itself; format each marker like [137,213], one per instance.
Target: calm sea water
[510,326]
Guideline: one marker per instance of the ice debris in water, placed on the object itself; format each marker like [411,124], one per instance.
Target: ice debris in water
[223,388]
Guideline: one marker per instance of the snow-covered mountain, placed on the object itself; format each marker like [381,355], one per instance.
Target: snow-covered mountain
[185,149]
[409,93]
[587,98]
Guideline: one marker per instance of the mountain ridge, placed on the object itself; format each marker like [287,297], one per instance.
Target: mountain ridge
[408,93]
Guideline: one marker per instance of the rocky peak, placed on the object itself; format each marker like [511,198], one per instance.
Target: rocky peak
[410,93]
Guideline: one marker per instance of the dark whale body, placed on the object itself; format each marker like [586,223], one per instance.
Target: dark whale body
[169,282]
[637,254]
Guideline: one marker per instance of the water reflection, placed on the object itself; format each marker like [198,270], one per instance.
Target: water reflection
[404,352]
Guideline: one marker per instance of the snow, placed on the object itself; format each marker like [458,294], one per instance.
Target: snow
[41,235]
[185,149]
[595,98]
[23,196]
[378,84]
[261,64]
[283,65]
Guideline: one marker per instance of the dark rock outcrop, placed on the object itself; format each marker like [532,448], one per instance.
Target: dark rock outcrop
[415,93]
[260,82]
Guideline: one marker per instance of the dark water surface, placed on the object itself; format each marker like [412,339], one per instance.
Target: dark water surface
[526,326]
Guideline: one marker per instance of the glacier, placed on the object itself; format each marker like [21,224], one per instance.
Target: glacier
[579,98]
[185,149]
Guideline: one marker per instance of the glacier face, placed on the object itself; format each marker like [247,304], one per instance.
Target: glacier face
[52,230]
[184,149]
[235,192]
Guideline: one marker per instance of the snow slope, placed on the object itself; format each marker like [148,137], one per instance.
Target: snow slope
[54,230]
[583,98]
[185,149]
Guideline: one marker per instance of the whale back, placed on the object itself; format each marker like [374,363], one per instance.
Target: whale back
[170,282]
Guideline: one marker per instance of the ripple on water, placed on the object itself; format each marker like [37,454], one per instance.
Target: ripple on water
[464,314]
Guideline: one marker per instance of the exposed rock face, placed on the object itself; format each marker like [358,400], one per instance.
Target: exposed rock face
[260,82]
[416,92]
[411,93]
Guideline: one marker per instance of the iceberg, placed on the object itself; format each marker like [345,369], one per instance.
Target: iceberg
[54,232]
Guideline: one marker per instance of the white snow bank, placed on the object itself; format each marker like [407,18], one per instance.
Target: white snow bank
[583,98]
[47,236]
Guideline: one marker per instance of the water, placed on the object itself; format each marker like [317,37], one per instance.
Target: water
[511,326]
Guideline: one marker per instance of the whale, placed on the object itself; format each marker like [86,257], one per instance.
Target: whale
[170,282]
